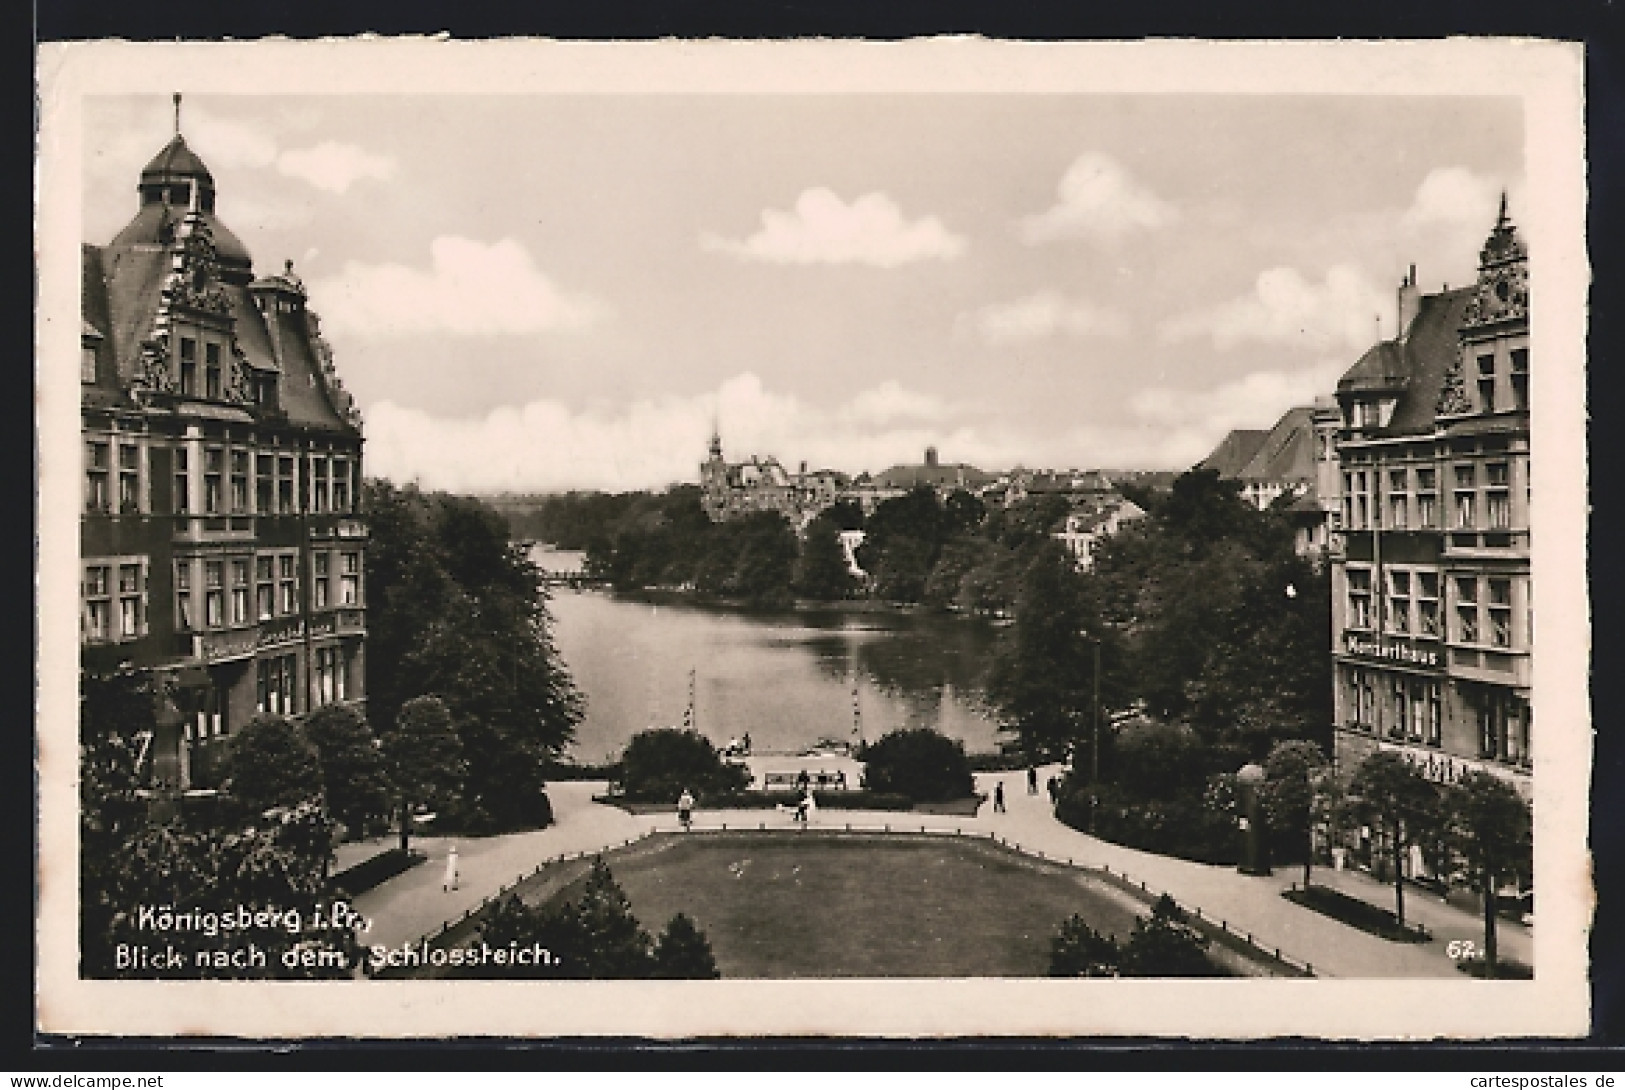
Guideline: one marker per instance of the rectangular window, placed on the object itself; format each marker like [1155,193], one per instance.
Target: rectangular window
[214,594]
[1401,708]
[1348,500]
[319,564]
[274,685]
[1359,581]
[239,592]
[284,484]
[131,601]
[129,479]
[288,582]
[1368,701]
[1398,498]
[326,664]
[1399,601]
[183,486]
[1464,498]
[264,589]
[183,595]
[239,482]
[341,485]
[1435,723]
[188,367]
[1427,604]
[264,483]
[1497,496]
[1418,710]
[98,604]
[1486,384]
[350,579]
[1467,609]
[1427,498]
[319,476]
[87,364]
[1520,378]
[97,498]
[1500,610]
[211,371]
[214,464]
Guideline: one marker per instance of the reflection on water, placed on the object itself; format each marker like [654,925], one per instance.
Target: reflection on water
[786,678]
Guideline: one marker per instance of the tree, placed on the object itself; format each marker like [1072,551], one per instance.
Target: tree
[659,765]
[611,943]
[923,764]
[272,764]
[1293,791]
[1042,677]
[682,952]
[1389,793]
[1080,950]
[424,759]
[821,571]
[1488,829]
[353,773]
[1164,944]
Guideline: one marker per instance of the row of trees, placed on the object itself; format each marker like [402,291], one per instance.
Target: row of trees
[1163,944]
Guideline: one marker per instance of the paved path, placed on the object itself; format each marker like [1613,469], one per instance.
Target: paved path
[413,904]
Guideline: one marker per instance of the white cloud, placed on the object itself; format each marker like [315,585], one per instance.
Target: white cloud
[823,229]
[470,288]
[1454,196]
[1097,197]
[1191,422]
[225,142]
[890,401]
[1284,306]
[334,167]
[1043,314]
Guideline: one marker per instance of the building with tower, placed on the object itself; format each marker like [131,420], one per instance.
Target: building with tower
[221,541]
[1432,602]
[730,490]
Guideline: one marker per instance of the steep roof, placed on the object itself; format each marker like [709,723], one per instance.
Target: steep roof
[937,476]
[1412,369]
[1288,450]
[1234,451]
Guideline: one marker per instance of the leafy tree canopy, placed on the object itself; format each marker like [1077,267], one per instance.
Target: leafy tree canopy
[921,763]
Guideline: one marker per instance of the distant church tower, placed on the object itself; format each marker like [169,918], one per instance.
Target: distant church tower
[714,479]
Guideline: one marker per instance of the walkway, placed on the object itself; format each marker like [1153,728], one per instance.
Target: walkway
[413,904]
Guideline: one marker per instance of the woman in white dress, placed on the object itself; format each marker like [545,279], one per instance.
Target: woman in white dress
[451,870]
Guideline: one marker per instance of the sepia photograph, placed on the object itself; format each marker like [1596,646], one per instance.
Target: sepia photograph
[938,538]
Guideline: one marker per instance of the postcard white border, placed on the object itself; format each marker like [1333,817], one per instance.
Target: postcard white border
[1546,76]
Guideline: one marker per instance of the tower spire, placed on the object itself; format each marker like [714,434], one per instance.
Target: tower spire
[1501,216]
[177,97]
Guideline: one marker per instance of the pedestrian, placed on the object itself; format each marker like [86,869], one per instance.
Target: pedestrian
[840,779]
[1032,780]
[809,806]
[1054,786]
[450,882]
[685,809]
[998,797]
[747,742]
[803,781]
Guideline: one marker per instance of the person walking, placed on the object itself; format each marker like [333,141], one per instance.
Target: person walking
[998,797]
[452,874]
[1032,780]
[803,781]
[1054,786]
[685,810]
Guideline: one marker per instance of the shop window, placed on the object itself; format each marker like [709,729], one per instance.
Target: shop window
[329,675]
[97,498]
[1399,601]
[275,685]
[1435,723]
[1401,707]
[98,602]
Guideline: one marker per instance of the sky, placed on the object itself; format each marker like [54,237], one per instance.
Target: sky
[547,292]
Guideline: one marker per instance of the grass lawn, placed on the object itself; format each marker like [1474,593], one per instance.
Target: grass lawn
[787,905]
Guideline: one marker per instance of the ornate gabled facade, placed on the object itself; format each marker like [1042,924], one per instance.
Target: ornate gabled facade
[1431,592]
[730,490]
[221,543]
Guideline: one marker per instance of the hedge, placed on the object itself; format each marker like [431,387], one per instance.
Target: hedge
[1186,830]
[375,870]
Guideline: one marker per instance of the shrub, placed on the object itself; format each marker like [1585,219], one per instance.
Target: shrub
[659,765]
[1185,829]
[1080,950]
[273,764]
[922,764]
[375,871]
[1163,944]
[1160,761]
[683,952]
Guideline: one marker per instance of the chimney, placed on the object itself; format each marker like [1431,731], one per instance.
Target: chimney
[931,457]
[1409,301]
[803,469]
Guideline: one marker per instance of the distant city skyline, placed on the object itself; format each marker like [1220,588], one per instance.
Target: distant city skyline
[536,293]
